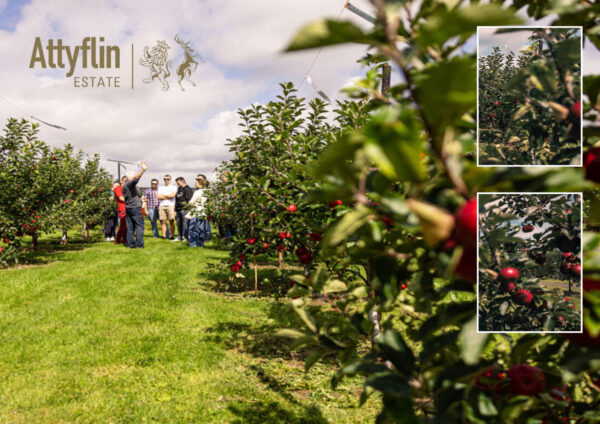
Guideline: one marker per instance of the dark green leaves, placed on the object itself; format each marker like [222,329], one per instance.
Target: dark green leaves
[463,22]
[327,33]
[393,143]
[397,351]
[591,87]
[445,91]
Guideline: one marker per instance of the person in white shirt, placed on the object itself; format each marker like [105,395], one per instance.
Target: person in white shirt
[198,225]
[166,207]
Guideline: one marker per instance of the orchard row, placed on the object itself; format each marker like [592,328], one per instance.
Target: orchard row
[45,189]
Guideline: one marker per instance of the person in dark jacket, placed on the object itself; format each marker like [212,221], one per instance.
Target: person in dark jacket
[182,198]
[133,204]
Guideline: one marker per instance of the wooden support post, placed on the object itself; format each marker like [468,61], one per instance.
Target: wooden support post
[386,73]
[255,266]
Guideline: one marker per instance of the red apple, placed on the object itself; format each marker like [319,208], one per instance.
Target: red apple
[576,270]
[449,245]
[465,220]
[315,236]
[528,228]
[251,240]
[566,268]
[522,297]
[509,275]
[305,258]
[282,235]
[508,287]
[467,266]
[576,109]
[540,258]
[291,208]
[591,163]
[526,380]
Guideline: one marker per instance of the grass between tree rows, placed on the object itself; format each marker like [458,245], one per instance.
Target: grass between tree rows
[97,333]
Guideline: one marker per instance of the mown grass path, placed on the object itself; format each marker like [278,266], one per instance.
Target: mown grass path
[102,334]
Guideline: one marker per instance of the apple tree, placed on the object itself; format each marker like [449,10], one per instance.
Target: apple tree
[530,105]
[263,190]
[407,323]
[38,182]
[511,299]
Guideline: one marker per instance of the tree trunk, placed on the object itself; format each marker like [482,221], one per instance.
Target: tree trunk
[64,239]
[34,240]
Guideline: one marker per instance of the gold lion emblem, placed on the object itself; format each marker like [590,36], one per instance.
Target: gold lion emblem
[156,61]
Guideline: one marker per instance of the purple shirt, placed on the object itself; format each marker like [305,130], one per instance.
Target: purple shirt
[150,196]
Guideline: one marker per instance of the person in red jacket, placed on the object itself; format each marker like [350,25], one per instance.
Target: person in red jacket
[122,231]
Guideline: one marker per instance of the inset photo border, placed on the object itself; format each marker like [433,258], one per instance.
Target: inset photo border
[529,273]
[529,92]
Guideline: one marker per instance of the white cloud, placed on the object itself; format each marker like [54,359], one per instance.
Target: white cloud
[176,132]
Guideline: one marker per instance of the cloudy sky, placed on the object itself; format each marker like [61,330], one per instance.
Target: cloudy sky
[521,221]
[175,131]
[516,41]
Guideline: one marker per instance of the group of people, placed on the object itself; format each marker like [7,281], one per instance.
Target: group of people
[170,204]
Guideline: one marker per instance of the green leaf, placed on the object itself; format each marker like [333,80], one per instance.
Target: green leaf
[591,88]
[313,357]
[516,407]
[568,53]
[392,142]
[396,351]
[389,383]
[307,319]
[445,91]
[594,211]
[472,342]
[345,227]
[290,333]
[463,21]
[327,32]
[486,406]
[544,76]
[332,286]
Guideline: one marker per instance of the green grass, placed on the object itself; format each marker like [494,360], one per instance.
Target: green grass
[97,333]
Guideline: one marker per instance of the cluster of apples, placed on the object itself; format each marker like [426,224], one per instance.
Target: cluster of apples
[508,277]
[570,265]
[520,379]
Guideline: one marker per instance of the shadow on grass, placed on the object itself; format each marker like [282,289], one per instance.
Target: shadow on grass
[270,282]
[49,250]
[262,412]
[274,412]
[258,340]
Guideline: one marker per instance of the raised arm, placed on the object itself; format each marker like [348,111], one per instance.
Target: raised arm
[144,167]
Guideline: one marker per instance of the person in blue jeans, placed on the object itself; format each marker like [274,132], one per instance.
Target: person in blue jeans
[198,227]
[150,195]
[133,205]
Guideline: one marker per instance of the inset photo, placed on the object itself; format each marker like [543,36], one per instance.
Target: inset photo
[529,262]
[529,96]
